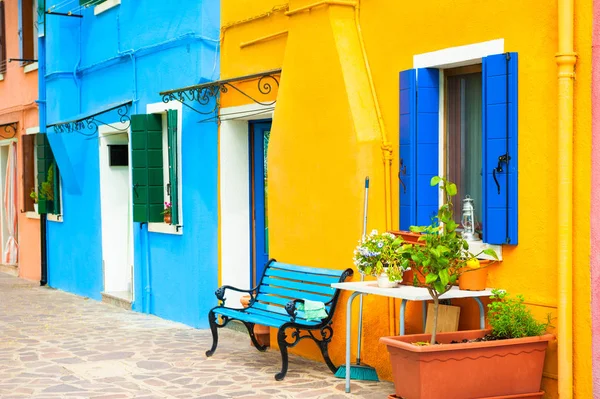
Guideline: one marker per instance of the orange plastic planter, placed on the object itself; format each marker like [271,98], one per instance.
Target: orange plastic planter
[492,369]
[474,279]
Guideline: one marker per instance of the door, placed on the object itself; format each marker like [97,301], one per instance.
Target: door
[259,223]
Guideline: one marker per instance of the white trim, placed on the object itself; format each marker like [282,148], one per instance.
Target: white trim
[476,247]
[55,218]
[248,112]
[442,135]
[105,6]
[32,130]
[452,57]
[1,77]
[8,141]
[164,228]
[32,215]
[161,108]
[31,67]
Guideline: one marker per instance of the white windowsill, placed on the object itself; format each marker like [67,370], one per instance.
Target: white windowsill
[32,215]
[32,130]
[476,247]
[105,6]
[31,67]
[55,218]
[165,228]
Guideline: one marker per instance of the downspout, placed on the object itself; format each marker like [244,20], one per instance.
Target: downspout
[387,153]
[42,122]
[565,60]
[386,147]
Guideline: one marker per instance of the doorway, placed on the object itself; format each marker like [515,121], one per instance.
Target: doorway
[116,218]
[259,134]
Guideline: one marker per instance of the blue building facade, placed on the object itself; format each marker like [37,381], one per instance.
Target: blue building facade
[99,71]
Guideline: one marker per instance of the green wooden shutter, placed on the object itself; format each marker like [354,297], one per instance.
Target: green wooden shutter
[45,163]
[172,135]
[147,168]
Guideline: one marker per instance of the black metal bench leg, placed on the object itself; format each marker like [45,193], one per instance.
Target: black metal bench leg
[324,351]
[284,354]
[213,328]
[250,327]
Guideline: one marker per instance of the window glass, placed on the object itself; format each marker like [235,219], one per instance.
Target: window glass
[463,138]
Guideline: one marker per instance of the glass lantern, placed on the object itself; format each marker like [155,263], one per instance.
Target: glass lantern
[468,220]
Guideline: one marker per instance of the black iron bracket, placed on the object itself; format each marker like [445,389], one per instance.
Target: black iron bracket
[89,125]
[208,94]
[62,14]
[22,60]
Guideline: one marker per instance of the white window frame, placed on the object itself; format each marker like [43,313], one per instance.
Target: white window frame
[105,6]
[162,108]
[32,131]
[454,57]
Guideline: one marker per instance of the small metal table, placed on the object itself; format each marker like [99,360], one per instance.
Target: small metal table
[406,293]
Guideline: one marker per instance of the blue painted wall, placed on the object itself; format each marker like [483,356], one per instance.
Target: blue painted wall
[132,52]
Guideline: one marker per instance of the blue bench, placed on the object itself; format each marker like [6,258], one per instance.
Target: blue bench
[273,303]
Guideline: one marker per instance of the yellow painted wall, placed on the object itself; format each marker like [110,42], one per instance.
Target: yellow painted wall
[325,140]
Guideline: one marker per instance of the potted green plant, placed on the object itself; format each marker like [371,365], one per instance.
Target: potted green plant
[167,213]
[504,364]
[34,196]
[375,255]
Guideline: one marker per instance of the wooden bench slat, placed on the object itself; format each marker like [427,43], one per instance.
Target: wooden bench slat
[313,278]
[305,269]
[297,285]
[266,289]
[300,316]
[239,314]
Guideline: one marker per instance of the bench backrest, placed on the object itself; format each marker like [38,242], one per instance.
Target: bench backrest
[283,282]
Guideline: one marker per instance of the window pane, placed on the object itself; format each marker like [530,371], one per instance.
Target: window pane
[464,134]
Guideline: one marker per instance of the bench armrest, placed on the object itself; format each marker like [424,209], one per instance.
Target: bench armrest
[290,308]
[220,292]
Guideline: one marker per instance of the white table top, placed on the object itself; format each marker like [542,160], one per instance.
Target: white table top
[407,292]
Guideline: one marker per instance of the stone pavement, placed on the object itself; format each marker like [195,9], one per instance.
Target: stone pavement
[57,345]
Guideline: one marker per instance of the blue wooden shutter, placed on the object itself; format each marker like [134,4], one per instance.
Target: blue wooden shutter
[427,162]
[173,183]
[500,140]
[408,133]
[419,138]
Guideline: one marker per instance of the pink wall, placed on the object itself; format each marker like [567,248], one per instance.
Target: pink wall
[18,92]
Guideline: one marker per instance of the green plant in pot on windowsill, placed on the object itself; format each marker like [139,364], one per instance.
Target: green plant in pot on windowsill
[167,213]
[34,197]
[484,365]
[375,255]
[45,196]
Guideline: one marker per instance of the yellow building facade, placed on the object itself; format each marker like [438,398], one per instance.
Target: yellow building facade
[335,120]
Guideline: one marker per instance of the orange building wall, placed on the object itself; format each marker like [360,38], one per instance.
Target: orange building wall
[321,147]
[18,92]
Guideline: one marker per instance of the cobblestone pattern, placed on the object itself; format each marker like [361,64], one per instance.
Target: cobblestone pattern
[58,345]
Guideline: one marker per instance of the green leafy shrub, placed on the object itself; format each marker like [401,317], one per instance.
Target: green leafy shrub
[510,318]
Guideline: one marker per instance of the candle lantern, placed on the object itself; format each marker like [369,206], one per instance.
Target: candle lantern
[468,220]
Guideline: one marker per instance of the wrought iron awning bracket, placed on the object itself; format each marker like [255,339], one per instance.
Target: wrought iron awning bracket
[5,130]
[63,14]
[88,126]
[206,92]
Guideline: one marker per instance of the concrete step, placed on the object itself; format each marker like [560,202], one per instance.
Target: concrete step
[121,299]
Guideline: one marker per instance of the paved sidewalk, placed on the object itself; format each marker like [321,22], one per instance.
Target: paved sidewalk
[58,345]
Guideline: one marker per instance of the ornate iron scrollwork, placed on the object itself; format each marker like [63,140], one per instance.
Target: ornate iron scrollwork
[8,131]
[89,126]
[208,94]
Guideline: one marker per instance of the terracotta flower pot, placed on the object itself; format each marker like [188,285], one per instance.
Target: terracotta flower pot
[408,236]
[491,369]
[474,279]
[167,218]
[262,333]
[407,277]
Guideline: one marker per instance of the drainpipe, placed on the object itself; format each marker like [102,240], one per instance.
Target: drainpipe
[565,60]
[42,122]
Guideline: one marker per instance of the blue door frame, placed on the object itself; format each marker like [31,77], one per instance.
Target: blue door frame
[259,229]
